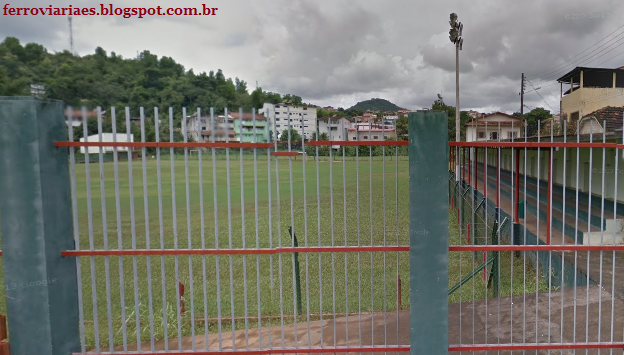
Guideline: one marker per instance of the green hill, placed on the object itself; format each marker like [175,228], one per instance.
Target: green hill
[376,104]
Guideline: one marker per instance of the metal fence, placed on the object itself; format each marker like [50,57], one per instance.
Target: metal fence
[219,247]
[540,221]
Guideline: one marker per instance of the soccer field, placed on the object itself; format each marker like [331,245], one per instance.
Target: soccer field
[366,199]
[257,213]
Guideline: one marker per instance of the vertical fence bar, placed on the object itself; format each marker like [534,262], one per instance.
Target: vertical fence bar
[202,222]
[37,217]
[216,229]
[72,165]
[244,237]
[292,224]
[160,225]
[175,229]
[147,232]
[122,287]
[229,221]
[94,301]
[258,290]
[189,231]
[270,194]
[305,228]
[428,146]
[133,232]
[109,314]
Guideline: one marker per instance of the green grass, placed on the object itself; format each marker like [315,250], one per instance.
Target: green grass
[324,193]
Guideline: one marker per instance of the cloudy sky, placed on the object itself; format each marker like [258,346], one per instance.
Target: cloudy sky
[340,52]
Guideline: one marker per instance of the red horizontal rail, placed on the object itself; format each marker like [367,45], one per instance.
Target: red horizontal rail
[535,247]
[285,154]
[356,143]
[335,249]
[379,349]
[324,350]
[263,251]
[551,346]
[537,145]
[165,144]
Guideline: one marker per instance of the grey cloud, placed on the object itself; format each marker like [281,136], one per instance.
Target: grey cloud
[343,51]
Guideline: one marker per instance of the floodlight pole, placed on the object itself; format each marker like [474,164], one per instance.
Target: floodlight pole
[457,126]
[455,37]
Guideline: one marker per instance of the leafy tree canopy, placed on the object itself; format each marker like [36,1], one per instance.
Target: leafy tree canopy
[106,79]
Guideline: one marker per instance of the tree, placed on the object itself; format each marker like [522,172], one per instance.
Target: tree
[533,119]
[401,128]
[450,111]
[294,136]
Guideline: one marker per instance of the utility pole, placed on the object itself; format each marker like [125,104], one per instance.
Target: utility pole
[71,35]
[455,36]
[522,101]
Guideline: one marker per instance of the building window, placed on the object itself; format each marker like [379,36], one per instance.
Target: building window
[305,108]
[277,113]
[493,135]
[375,137]
[512,134]
[276,106]
[481,135]
[353,138]
[365,137]
[278,126]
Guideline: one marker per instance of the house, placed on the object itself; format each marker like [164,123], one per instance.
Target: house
[371,132]
[205,128]
[298,117]
[585,90]
[606,120]
[494,126]
[250,129]
[76,116]
[106,137]
[369,117]
[335,127]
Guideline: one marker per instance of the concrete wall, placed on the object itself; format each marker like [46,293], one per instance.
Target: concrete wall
[587,100]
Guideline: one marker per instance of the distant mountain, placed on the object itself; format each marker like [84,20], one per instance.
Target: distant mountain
[376,104]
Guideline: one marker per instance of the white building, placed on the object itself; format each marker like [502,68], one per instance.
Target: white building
[371,132]
[300,117]
[106,137]
[494,126]
[335,127]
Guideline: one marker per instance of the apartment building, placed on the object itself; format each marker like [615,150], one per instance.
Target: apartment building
[300,118]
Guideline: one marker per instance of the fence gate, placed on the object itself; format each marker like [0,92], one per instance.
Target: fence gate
[194,232]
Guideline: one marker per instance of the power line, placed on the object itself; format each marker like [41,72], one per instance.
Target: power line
[540,95]
[548,71]
[592,58]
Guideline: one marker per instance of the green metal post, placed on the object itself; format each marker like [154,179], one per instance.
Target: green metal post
[297,271]
[36,220]
[429,231]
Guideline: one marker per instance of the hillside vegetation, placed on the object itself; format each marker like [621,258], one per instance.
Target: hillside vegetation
[107,79]
[375,105]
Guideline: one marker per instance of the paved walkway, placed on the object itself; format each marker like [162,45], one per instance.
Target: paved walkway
[505,320]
